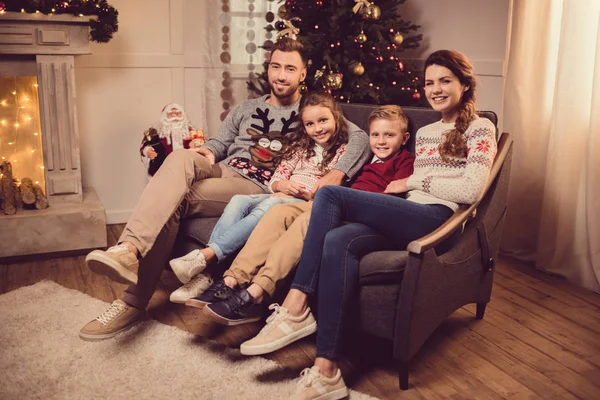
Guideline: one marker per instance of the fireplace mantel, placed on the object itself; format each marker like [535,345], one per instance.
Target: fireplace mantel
[51,42]
[22,33]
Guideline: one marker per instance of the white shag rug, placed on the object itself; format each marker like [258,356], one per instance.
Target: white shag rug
[42,356]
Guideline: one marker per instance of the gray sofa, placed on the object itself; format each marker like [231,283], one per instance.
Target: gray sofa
[405,295]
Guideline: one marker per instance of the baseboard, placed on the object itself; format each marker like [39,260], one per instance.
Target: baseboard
[118,216]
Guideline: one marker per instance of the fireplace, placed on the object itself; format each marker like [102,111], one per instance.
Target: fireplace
[39,134]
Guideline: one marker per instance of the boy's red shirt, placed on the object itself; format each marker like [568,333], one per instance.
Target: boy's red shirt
[376,176]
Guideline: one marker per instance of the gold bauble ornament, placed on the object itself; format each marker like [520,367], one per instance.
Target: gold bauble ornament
[283,12]
[357,68]
[371,12]
[398,38]
[333,81]
[303,88]
[361,37]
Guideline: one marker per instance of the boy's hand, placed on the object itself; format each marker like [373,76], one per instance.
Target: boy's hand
[397,186]
[289,187]
[334,177]
[206,153]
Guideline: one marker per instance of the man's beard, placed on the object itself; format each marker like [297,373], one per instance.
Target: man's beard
[285,93]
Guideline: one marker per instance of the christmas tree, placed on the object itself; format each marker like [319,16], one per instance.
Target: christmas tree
[354,48]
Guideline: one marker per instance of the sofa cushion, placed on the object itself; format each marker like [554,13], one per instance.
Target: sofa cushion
[382,268]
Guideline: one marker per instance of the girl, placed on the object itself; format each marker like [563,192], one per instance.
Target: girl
[453,160]
[314,149]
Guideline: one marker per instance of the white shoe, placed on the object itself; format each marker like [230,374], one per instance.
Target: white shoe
[193,288]
[188,266]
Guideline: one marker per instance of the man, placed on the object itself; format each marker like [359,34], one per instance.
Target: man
[191,183]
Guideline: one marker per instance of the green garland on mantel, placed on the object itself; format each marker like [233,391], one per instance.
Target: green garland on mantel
[101,28]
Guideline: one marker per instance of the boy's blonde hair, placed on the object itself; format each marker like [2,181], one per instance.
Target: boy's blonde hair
[390,112]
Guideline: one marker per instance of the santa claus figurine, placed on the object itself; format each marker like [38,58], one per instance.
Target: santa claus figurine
[174,132]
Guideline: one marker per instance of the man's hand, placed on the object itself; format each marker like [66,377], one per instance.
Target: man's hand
[398,186]
[290,188]
[206,153]
[151,153]
[334,177]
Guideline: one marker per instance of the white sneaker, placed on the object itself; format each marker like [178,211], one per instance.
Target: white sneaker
[188,266]
[315,386]
[193,288]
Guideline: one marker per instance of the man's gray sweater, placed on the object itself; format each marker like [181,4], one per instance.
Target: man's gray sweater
[255,133]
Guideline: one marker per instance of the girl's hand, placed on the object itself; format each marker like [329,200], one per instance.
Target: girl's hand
[290,188]
[397,186]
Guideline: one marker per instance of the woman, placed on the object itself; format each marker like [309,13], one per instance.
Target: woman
[453,160]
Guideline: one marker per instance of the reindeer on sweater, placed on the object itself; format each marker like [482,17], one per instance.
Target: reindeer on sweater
[270,145]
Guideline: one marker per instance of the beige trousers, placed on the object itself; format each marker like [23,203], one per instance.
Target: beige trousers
[274,247]
[185,185]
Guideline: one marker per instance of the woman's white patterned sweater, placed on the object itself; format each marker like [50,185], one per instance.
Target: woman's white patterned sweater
[459,180]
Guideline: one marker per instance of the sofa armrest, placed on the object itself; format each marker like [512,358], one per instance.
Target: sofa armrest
[464,212]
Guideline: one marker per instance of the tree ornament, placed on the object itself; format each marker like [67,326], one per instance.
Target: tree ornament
[280,25]
[357,68]
[398,38]
[283,12]
[416,95]
[291,5]
[360,6]
[303,87]
[371,12]
[333,81]
[288,30]
[2,6]
[361,37]
[400,66]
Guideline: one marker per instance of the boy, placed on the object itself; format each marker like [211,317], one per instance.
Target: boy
[274,247]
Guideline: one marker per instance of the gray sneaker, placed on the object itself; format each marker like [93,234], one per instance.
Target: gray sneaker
[118,318]
[117,263]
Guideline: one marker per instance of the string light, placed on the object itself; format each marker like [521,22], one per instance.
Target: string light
[20,118]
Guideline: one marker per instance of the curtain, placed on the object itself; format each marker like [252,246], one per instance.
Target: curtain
[552,107]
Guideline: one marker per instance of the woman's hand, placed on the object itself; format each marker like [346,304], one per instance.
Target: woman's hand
[290,188]
[397,186]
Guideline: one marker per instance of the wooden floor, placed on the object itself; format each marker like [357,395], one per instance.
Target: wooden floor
[540,337]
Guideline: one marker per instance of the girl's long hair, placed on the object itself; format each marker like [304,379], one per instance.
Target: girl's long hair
[454,144]
[300,141]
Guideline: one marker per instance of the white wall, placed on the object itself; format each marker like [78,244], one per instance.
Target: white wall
[169,51]
[477,28]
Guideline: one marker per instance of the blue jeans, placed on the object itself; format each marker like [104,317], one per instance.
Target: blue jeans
[240,217]
[332,250]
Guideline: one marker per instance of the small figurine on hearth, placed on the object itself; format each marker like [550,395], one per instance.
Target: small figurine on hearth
[9,198]
[175,132]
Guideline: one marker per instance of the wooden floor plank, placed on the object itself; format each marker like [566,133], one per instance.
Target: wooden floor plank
[584,316]
[533,368]
[511,265]
[573,336]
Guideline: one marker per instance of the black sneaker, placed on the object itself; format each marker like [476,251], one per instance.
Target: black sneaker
[218,291]
[237,309]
